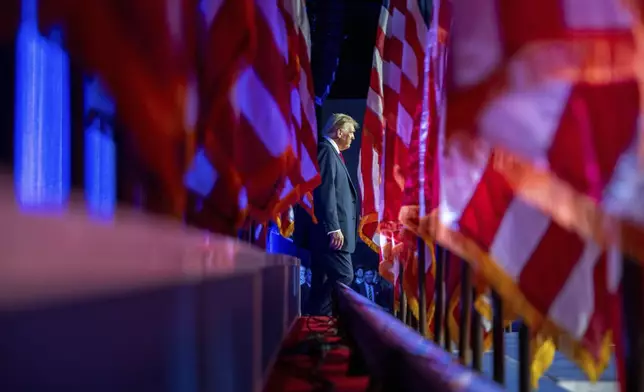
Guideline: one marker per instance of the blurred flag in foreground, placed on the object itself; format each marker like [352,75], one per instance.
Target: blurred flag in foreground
[394,107]
[556,91]
[557,281]
[144,52]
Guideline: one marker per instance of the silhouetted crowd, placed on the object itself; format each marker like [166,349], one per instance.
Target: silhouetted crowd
[366,281]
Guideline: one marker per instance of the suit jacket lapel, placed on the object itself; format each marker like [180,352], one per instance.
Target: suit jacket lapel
[346,170]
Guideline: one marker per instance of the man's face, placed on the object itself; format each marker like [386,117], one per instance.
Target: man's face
[360,273]
[345,137]
[368,276]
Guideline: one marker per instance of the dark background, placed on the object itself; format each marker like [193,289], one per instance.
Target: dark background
[7,91]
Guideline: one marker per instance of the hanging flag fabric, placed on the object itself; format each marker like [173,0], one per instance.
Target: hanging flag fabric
[303,169]
[259,126]
[225,126]
[372,136]
[422,182]
[559,283]
[246,120]
[393,103]
[217,197]
[286,222]
[394,107]
[304,172]
[404,76]
[557,91]
[144,54]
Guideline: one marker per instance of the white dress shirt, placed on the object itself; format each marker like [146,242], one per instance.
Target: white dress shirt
[334,144]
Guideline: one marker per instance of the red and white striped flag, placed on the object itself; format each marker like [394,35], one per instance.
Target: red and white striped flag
[143,52]
[558,282]
[371,145]
[557,90]
[421,183]
[304,173]
[561,283]
[393,106]
[217,195]
[255,155]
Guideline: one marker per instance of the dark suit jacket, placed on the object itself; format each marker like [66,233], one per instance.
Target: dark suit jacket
[383,296]
[386,298]
[335,204]
[305,291]
[362,289]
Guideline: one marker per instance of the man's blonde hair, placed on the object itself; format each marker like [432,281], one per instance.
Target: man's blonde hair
[338,121]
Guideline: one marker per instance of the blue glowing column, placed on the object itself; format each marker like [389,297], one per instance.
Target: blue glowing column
[42,123]
[100,152]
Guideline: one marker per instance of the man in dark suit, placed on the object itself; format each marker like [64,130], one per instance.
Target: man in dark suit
[375,291]
[369,288]
[358,278]
[332,240]
[386,297]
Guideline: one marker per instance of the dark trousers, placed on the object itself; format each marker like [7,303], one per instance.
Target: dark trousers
[327,269]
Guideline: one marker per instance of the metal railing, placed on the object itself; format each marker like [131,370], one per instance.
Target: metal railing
[470,328]
[396,357]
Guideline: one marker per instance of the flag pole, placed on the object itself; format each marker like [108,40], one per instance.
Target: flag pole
[439,295]
[402,308]
[525,381]
[633,307]
[498,336]
[422,298]
[466,313]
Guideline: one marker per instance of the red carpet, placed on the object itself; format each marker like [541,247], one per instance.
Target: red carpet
[293,372]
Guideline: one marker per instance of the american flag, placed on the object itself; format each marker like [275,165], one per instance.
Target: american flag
[558,282]
[393,107]
[371,145]
[304,172]
[143,52]
[557,91]
[421,182]
[258,124]
[539,172]
[254,140]
[217,196]
[207,97]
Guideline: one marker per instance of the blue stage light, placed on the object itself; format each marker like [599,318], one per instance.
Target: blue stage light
[100,152]
[42,121]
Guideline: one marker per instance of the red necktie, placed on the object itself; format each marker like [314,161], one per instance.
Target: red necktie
[342,157]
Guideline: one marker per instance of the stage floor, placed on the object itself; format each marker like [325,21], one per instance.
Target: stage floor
[291,373]
[562,376]
[296,371]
